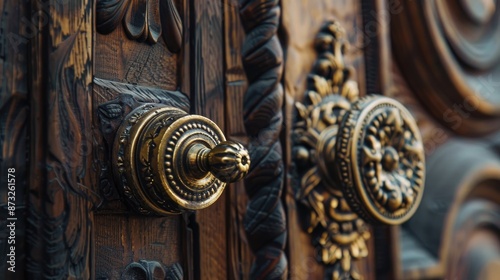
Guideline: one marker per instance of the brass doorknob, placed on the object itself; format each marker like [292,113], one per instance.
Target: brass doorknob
[357,159]
[365,153]
[167,161]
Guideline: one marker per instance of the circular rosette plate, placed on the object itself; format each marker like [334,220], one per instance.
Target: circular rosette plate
[188,188]
[380,160]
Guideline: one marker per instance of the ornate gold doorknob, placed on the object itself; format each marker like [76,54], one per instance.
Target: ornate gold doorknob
[358,159]
[365,151]
[167,161]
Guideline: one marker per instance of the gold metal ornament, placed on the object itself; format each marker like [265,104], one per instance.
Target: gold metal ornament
[381,161]
[167,161]
[358,159]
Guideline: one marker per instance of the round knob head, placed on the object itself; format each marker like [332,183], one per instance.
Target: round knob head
[380,160]
[229,161]
[167,161]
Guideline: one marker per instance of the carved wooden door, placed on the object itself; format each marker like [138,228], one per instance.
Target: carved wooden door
[357,161]
[102,106]
[251,139]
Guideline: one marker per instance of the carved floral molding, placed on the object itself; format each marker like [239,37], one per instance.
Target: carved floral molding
[143,20]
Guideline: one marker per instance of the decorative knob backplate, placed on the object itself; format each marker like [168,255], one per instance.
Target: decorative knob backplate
[167,161]
[357,159]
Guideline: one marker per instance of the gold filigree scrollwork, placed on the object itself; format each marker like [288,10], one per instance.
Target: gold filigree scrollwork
[359,159]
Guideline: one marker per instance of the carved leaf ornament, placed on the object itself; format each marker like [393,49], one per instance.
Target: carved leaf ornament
[143,20]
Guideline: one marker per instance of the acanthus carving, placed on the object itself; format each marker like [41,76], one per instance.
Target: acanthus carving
[150,270]
[359,159]
[143,20]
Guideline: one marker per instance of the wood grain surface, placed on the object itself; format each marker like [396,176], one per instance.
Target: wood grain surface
[207,80]
[14,131]
[122,240]
[120,59]
[129,72]
[239,256]
[61,175]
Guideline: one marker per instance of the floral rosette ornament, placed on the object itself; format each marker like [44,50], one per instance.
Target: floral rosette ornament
[358,159]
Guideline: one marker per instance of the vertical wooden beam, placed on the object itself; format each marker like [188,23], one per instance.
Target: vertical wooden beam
[240,256]
[61,175]
[184,63]
[208,97]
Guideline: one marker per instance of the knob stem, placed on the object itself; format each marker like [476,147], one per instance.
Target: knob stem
[167,161]
[198,160]
[228,161]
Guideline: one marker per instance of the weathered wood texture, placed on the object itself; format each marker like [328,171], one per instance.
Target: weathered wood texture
[122,59]
[14,130]
[129,72]
[265,222]
[301,22]
[61,200]
[184,62]
[207,96]
[125,239]
[239,256]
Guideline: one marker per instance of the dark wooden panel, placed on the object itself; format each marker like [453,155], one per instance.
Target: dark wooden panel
[449,54]
[122,240]
[14,131]
[146,60]
[133,69]
[122,60]
[61,174]
[207,78]
[383,75]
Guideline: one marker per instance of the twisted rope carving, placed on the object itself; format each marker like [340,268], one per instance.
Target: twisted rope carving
[265,223]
